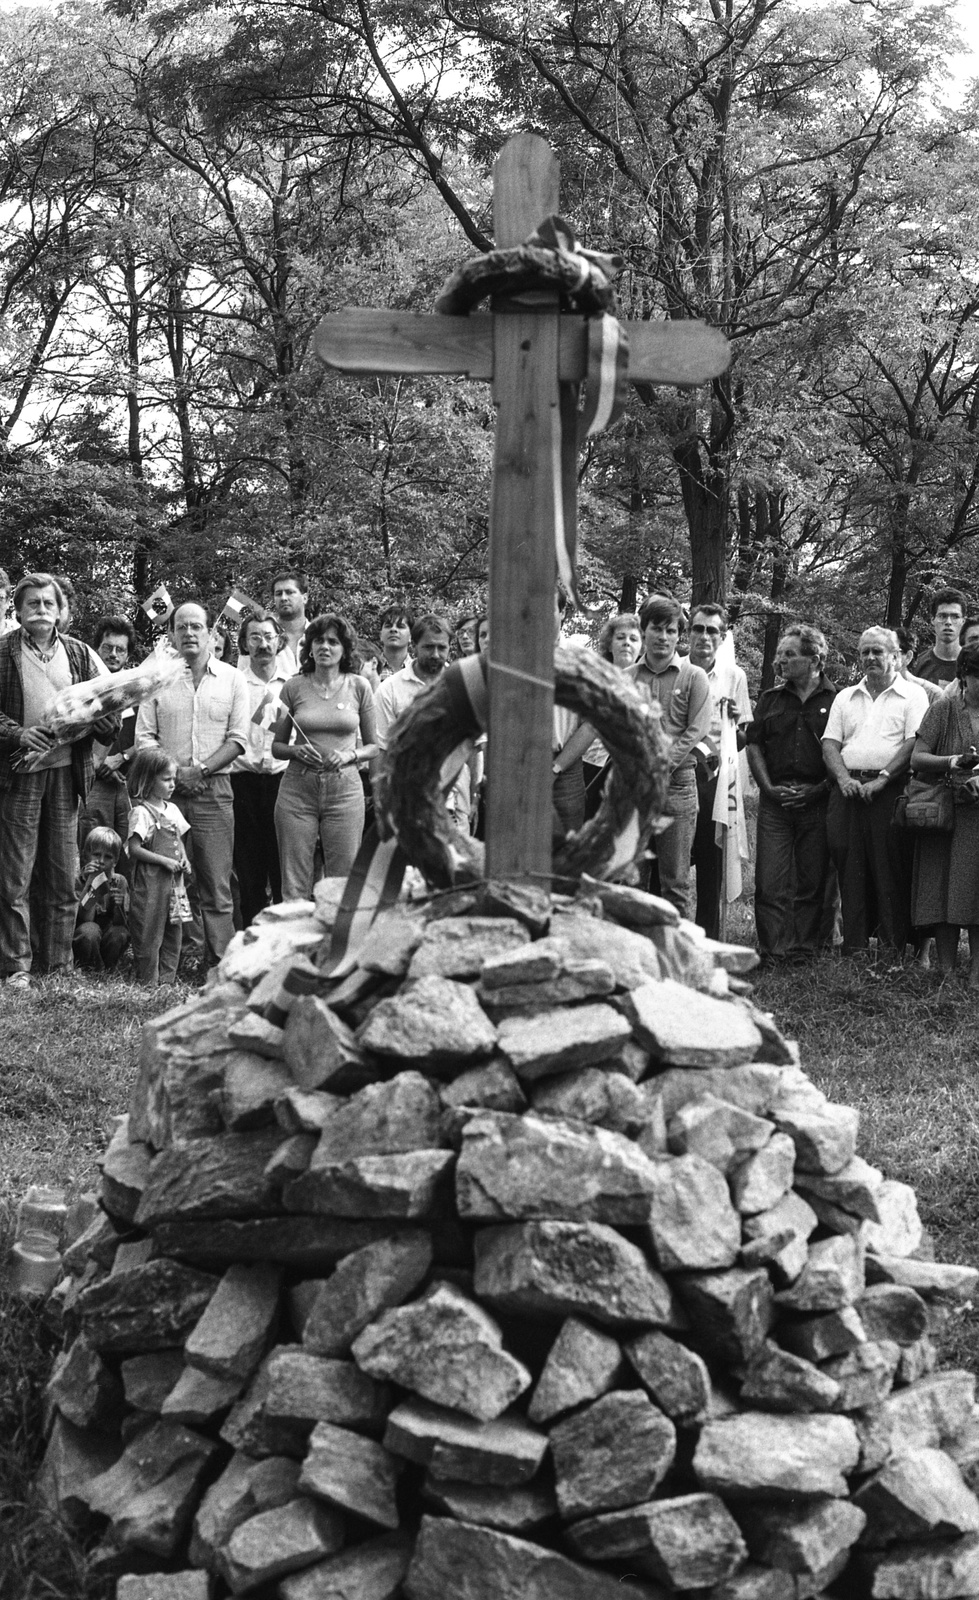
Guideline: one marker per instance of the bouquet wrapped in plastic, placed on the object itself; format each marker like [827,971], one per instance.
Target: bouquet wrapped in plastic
[73,711]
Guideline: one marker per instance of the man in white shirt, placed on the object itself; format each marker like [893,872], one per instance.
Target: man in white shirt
[729,698]
[870,733]
[432,639]
[202,721]
[256,774]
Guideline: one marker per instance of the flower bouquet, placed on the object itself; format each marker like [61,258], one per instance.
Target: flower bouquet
[74,710]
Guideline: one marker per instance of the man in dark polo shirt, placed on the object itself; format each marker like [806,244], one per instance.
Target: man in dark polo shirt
[786,759]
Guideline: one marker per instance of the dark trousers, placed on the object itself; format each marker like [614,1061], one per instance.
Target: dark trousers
[98,948]
[256,847]
[706,856]
[791,873]
[871,859]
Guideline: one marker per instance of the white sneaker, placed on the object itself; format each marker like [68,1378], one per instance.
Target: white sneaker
[18,980]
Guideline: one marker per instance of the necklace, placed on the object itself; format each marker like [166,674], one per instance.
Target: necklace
[327,694]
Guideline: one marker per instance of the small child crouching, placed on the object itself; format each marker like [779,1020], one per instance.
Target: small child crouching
[159,905]
[101,930]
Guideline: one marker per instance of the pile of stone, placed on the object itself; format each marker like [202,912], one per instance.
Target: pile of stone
[522,1262]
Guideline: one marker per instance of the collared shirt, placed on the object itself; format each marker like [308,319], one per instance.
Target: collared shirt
[870,731]
[682,691]
[394,696]
[788,731]
[191,724]
[258,755]
[727,683]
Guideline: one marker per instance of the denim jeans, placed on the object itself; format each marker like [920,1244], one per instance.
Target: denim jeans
[328,806]
[673,847]
[210,846]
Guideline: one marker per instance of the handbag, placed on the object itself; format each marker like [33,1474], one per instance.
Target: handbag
[926,806]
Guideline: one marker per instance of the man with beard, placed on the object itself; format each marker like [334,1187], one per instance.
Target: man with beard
[256,774]
[867,744]
[432,638]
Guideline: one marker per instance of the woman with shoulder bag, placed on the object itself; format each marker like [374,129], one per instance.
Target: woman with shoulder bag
[945,888]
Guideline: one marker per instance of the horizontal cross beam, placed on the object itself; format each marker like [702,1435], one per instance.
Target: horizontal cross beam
[362,339]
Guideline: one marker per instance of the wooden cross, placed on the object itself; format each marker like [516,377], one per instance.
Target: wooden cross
[528,351]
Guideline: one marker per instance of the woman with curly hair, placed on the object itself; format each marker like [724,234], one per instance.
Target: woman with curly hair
[323,710]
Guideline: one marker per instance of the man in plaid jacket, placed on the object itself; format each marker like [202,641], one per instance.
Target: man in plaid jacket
[39,809]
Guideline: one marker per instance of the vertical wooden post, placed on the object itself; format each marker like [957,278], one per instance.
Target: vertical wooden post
[526,478]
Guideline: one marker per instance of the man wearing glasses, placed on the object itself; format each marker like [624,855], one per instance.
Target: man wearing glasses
[729,698]
[682,691]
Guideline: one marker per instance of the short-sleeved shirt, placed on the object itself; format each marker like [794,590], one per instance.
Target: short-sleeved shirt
[334,724]
[263,705]
[146,817]
[932,667]
[682,691]
[394,696]
[788,731]
[190,723]
[871,731]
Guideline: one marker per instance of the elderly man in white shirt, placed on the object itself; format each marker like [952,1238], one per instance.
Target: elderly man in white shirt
[202,720]
[870,733]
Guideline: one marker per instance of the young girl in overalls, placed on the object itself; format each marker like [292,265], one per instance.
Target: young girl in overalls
[158,905]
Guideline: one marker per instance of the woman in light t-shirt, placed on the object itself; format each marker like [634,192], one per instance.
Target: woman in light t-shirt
[323,710]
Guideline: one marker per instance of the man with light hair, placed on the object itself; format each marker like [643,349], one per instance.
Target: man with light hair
[785,755]
[870,733]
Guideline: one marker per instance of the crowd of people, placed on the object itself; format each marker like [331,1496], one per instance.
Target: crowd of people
[248,776]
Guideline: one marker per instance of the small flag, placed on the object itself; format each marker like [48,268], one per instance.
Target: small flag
[158,606]
[264,713]
[236,605]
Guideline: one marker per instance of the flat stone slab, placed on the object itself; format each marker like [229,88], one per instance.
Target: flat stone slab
[197,1398]
[812,1540]
[294,1389]
[693,1227]
[503,1454]
[522,1167]
[252,1084]
[460,1561]
[920,1496]
[370,1571]
[164,1586]
[434,1021]
[148,1308]
[855,1188]
[494,1086]
[517,1510]
[256,1036]
[572,1268]
[365,1283]
[230,1338]
[775,1457]
[818,1338]
[614,1453]
[307,1244]
[353,1473]
[274,1543]
[446,1348]
[934,1280]
[219,1177]
[922,1416]
[395,936]
[688,1542]
[458,947]
[383,1119]
[389,1188]
[244,1488]
[923,1571]
[778,1381]
[562,1039]
[581,1364]
[150,1492]
[676,1378]
[682,1028]
[632,956]
[825,1136]
[755,1086]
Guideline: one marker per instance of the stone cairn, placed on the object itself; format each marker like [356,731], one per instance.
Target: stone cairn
[524,1263]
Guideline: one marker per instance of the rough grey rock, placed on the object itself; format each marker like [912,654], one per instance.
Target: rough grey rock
[536,1167]
[561,1040]
[819,1338]
[676,1378]
[613,1453]
[922,1416]
[688,1542]
[365,1283]
[353,1473]
[898,1230]
[865,1375]
[778,1381]
[307,1244]
[924,1571]
[230,1338]
[251,1086]
[760,1180]
[373,1187]
[920,1496]
[580,980]
[892,1311]
[447,1349]
[150,1492]
[832,1277]
[164,1586]
[916,1360]
[395,936]
[516,1510]
[197,1398]
[731,1312]
[825,1136]
[855,1188]
[633,908]
[150,1308]
[370,1571]
[458,947]
[717,1130]
[935,1281]
[582,1364]
[74,1458]
[494,1087]
[84,1388]
[435,1021]
[147,1380]
[177,1094]
[530,963]
[305,1110]
[219,1177]
[383,1119]
[784,1254]
[692,1223]
[272,1544]
[632,956]
[460,1561]
[244,1488]
[606,1099]
[682,1028]
[319,1047]
[760,1455]
[256,1036]
[569,1268]
[125,1168]
[501,1454]
[806,1539]
[755,1086]
[294,1389]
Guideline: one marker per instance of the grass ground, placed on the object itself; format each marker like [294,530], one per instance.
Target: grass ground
[902,1049]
